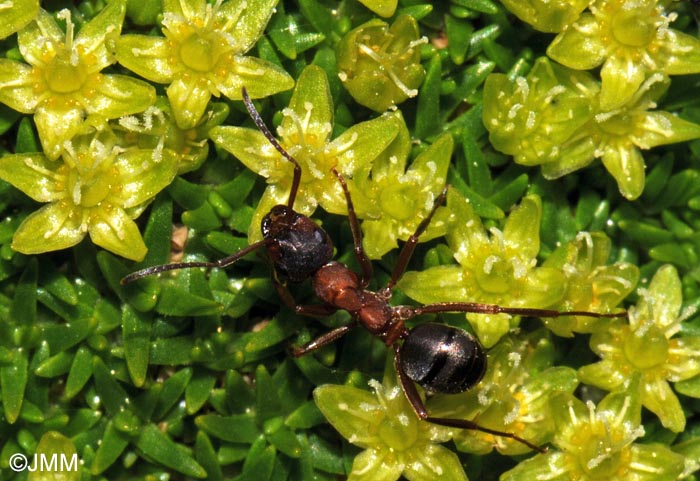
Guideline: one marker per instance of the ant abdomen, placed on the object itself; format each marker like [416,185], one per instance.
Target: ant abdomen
[442,358]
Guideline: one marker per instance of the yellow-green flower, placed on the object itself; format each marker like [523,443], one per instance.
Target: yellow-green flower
[392,201]
[95,188]
[630,39]
[380,64]
[593,444]
[499,268]
[305,133]
[202,54]
[647,347]
[554,117]
[155,128]
[62,85]
[16,14]
[395,441]
[547,15]
[592,284]
[513,397]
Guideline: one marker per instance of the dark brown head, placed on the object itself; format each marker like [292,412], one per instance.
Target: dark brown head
[298,247]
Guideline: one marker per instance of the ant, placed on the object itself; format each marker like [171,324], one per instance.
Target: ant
[439,358]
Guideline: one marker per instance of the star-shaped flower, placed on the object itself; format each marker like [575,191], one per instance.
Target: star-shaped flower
[202,54]
[513,396]
[499,268]
[630,39]
[95,187]
[392,201]
[62,83]
[598,443]
[554,117]
[395,441]
[592,284]
[305,133]
[380,64]
[646,347]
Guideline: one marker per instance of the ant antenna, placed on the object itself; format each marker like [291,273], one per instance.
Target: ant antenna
[271,138]
[225,262]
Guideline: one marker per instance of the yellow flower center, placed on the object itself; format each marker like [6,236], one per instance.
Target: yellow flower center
[495,275]
[632,29]
[602,451]
[64,76]
[646,348]
[199,53]
[398,201]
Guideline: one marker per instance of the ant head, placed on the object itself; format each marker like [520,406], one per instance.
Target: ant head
[279,218]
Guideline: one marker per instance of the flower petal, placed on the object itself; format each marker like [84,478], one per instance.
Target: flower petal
[251,21]
[260,78]
[658,398]
[188,98]
[521,231]
[358,146]
[551,466]
[375,465]
[57,125]
[40,36]
[626,164]
[312,105]
[53,227]
[604,374]
[355,413]
[119,95]
[580,46]
[19,15]
[621,78]
[145,173]
[433,462]
[653,462]
[467,234]
[665,296]
[680,53]
[111,228]
[150,57]
[252,148]
[436,284]
[17,86]
[34,175]
[683,359]
[661,128]
[104,28]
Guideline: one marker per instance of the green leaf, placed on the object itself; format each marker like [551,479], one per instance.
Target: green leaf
[13,380]
[158,446]
[136,335]
[111,446]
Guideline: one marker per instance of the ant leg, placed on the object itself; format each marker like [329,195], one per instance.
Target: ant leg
[324,339]
[225,262]
[255,115]
[312,310]
[479,308]
[411,393]
[412,241]
[362,258]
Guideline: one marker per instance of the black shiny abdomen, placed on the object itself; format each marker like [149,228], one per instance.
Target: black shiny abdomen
[298,247]
[442,358]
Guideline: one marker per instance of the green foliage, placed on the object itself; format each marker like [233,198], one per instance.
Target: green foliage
[188,375]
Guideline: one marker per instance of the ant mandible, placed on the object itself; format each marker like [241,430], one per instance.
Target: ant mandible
[439,358]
